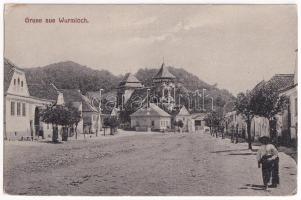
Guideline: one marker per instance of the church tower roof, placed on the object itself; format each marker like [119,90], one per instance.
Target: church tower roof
[163,73]
[130,80]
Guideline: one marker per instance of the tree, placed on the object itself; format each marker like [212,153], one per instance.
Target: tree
[112,122]
[244,106]
[74,117]
[213,119]
[263,101]
[180,125]
[64,116]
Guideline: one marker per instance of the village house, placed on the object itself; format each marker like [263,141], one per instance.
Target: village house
[21,108]
[287,121]
[91,121]
[23,103]
[149,118]
[184,116]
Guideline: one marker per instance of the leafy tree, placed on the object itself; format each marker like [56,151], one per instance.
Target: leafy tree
[64,116]
[214,119]
[112,122]
[180,124]
[263,101]
[244,106]
[74,117]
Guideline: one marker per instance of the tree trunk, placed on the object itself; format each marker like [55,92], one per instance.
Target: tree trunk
[249,134]
[76,131]
[55,133]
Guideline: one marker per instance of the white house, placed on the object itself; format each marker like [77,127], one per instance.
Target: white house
[21,109]
[151,117]
[185,117]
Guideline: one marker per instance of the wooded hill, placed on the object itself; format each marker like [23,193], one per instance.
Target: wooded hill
[71,75]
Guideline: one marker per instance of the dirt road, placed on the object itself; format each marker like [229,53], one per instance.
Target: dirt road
[147,164]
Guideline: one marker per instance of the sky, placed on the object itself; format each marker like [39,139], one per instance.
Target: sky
[233,46]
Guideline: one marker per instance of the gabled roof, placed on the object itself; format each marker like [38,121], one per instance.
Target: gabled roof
[87,107]
[281,81]
[9,69]
[152,111]
[183,112]
[43,91]
[71,95]
[130,80]
[198,115]
[163,73]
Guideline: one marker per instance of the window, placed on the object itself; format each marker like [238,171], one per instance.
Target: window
[14,81]
[23,109]
[296,106]
[153,123]
[21,83]
[18,81]
[12,108]
[18,108]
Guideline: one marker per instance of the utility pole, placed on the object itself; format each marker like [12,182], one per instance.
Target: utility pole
[99,105]
[204,99]
[147,93]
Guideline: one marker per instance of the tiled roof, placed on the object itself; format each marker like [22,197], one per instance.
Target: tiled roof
[281,81]
[163,73]
[153,111]
[43,91]
[8,74]
[87,107]
[183,111]
[71,95]
[130,80]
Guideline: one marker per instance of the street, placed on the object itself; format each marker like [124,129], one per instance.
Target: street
[140,164]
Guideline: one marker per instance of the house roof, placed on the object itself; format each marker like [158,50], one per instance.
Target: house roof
[281,81]
[163,73]
[198,115]
[9,69]
[183,112]
[87,107]
[71,95]
[152,111]
[130,80]
[43,91]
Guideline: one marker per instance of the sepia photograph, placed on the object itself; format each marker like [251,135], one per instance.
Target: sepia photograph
[150,99]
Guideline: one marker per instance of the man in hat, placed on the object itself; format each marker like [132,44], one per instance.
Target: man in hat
[267,156]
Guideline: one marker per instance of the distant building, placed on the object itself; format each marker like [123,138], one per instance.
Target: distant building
[150,118]
[126,88]
[234,122]
[91,121]
[185,117]
[198,122]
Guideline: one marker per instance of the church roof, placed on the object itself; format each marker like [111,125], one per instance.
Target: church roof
[130,80]
[152,111]
[163,73]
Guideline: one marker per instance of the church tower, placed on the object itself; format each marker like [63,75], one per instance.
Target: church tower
[164,83]
[126,88]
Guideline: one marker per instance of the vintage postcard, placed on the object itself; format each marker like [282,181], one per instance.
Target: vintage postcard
[150,100]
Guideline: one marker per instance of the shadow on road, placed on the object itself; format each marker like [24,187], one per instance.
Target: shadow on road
[252,187]
[241,154]
[225,151]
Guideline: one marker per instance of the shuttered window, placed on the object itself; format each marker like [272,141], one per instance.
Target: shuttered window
[12,108]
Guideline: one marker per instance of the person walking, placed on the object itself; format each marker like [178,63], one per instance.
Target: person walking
[267,157]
